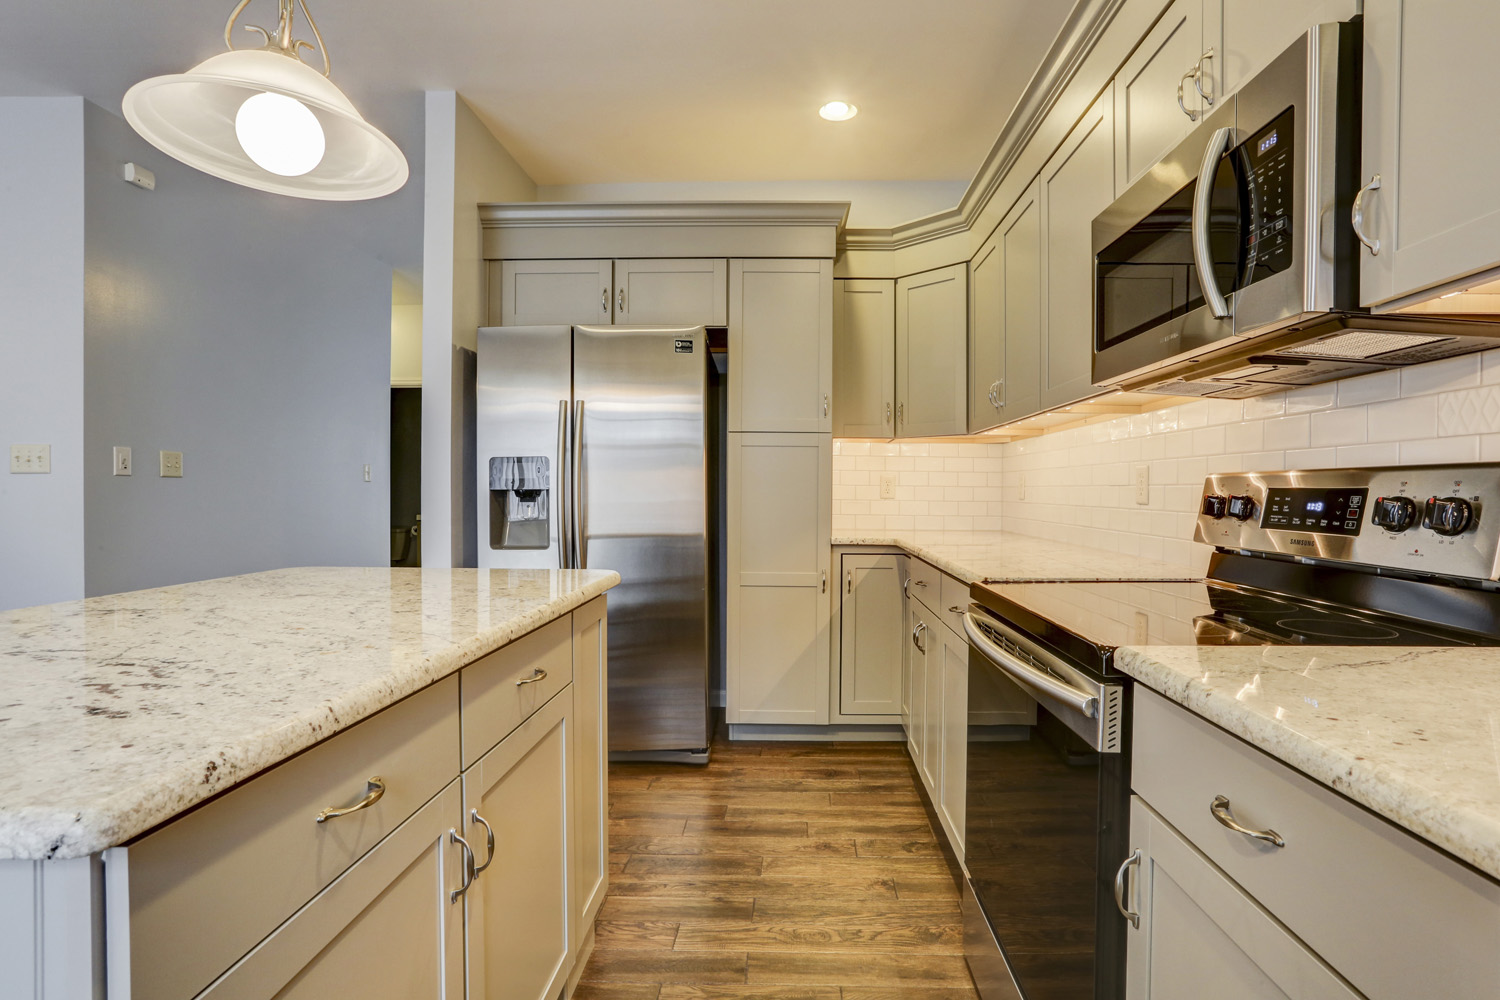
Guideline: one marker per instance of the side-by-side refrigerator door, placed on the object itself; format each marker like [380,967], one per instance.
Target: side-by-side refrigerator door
[523,402]
[641,510]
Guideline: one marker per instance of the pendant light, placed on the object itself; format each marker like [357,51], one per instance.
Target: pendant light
[263,118]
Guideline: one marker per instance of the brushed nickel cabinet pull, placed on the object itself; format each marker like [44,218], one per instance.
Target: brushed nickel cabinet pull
[604,300]
[1220,811]
[620,299]
[374,789]
[489,840]
[1120,876]
[468,866]
[536,675]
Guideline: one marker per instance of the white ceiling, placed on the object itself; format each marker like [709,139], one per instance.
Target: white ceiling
[595,91]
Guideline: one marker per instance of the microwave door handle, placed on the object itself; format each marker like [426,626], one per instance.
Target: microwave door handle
[1202,205]
[1085,703]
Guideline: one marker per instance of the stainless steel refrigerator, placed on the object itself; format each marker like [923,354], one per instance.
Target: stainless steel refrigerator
[592,445]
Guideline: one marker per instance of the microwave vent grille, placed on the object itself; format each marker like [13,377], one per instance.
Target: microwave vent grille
[1362,344]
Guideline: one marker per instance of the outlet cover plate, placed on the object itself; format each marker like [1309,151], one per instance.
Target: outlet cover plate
[122,461]
[171,465]
[887,486]
[1140,477]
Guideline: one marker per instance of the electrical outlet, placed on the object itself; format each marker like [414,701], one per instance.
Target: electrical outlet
[1023,486]
[887,486]
[1142,628]
[1140,477]
[30,459]
[367,473]
[171,465]
[122,461]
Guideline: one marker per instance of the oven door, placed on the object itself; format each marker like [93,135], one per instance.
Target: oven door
[1045,826]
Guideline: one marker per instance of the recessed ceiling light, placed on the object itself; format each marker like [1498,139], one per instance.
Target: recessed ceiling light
[838,111]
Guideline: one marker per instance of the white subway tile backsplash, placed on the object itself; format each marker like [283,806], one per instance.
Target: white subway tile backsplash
[1370,388]
[1339,427]
[1247,435]
[1312,397]
[1437,450]
[1439,376]
[1288,432]
[1470,411]
[1403,419]
[1358,455]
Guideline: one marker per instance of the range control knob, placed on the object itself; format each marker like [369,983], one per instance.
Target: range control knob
[1242,508]
[1214,506]
[1448,515]
[1394,514]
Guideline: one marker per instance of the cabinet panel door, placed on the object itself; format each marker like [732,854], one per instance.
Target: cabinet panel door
[1150,120]
[916,679]
[932,319]
[1077,185]
[1201,935]
[931,764]
[781,343]
[954,738]
[588,828]
[1437,212]
[870,641]
[672,292]
[1021,250]
[385,929]
[780,510]
[1247,34]
[987,335]
[552,292]
[864,357]
[519,946]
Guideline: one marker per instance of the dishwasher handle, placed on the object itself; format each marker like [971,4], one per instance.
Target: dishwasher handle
[1085,703]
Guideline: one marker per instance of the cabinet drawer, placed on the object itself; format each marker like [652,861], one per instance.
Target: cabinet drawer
[1393,915]
[498,692]
[955,601]
[202,890]
[926,584]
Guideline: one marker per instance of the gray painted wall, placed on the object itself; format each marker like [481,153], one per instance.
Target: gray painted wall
[252,333]
[41,346]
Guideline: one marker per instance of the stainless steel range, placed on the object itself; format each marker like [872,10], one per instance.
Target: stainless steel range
[1347,557]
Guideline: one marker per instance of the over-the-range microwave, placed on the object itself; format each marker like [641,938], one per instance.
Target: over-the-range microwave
[1232,267]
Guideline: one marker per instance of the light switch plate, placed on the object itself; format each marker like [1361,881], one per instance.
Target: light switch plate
[1140,477]
[122,461]
[171,465]
[367,473]
[30,459]
[887,486]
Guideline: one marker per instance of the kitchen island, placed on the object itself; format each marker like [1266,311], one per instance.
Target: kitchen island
[159,727]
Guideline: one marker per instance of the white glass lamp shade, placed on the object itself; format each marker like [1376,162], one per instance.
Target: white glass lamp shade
[192,117]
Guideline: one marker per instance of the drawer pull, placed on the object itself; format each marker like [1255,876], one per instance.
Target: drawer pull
[468,866]
[537,675]
[489,840]
[956,610]
[374,789]
[1133,861]
[1220,810]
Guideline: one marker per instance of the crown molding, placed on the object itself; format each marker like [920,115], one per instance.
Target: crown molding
[637,214]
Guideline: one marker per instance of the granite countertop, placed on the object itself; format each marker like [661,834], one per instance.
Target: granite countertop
[1412,734]
[117,713]
[1004,556]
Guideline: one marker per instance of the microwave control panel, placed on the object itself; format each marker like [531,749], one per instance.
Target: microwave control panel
[1266,166]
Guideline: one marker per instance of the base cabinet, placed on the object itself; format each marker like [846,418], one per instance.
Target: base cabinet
[870,634]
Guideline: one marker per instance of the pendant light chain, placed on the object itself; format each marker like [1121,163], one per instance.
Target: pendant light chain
[283,42]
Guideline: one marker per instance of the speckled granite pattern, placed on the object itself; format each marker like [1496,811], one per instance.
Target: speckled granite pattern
[1413,734]
[996,556]
[117,713]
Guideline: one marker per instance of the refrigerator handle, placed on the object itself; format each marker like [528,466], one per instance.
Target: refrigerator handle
[580,514]
[560,479]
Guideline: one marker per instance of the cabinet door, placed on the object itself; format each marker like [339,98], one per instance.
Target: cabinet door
[930,641]
[954,737]
[1437,212]
[672,292]
[780,510]
[932,320]
[916,678]
[589,826]
[1247,34]
[384,930]
[1077,185]
[518,934]
[551,292]
[987,334]
[781,345]
[1201,935]
[1021,250]
[864,358]
[870,636]
[1146,88]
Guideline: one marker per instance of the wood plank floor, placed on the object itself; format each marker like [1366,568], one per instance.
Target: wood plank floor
[781,871]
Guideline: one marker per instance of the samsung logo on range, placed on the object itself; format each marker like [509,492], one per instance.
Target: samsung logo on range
[1302,541]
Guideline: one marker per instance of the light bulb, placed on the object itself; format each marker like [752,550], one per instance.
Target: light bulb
[838,111]
[280,134]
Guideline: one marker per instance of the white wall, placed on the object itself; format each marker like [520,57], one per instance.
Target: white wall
[872,204]
[41,347]
[251,332]
[466,165]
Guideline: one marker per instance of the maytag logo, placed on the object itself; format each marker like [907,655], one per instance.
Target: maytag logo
[1301,541]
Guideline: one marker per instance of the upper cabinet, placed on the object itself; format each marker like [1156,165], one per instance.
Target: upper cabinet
[1076,185]
[1431,206]
[931,352]
[1247,34]
[864,358]
[780,345]
[1005,318]
[1161,90]
[594,292]
[671,292]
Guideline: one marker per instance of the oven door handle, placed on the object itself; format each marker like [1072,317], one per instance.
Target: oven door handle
[1203,200]
[1086,703]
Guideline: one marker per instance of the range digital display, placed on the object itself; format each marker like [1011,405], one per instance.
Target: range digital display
[1327,512]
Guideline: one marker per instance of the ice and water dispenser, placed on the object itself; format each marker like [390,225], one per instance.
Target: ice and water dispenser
[520,488]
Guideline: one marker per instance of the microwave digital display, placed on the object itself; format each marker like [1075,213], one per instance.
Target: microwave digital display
[1266,143]
[1266,166]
